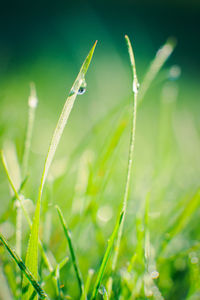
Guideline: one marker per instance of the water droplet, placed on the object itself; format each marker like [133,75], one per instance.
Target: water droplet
[136,86]
[154,274]
[81,90]
[104,213]
[193,258]
[174,72]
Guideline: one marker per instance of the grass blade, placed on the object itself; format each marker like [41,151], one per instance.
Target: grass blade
[106,256]
[72,252]
[161,56]
[117,233]
[32,251]
[131,150]
[25,270]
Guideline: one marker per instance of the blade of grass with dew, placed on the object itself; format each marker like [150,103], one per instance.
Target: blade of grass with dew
[72,252]
[106,256]
[87,284]
[131,150]
[32,250]
[119,225]
[161,56]
[25,270]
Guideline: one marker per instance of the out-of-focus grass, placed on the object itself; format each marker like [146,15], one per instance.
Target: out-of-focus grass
[87,178]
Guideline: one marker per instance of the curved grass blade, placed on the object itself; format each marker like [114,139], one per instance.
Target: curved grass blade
[131,151]
[106,256]
[25,270]
[72,252]
[32,251]
[117,233]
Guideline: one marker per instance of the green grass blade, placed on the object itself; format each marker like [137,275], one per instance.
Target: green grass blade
[32,251]
[117,233]
[161,56]
[72,251]
[25,270]
[131,150]
[106,256]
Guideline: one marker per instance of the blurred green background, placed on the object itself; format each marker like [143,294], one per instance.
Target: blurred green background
[46,42]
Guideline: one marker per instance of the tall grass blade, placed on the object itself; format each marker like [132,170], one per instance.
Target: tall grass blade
[72,251]
[161,56]
[32,251]
[131,150]
[25,270]
[119,225]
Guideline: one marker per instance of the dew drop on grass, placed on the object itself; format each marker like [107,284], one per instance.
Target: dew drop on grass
[81,90]
[174,72]
[104,214]
[154,274]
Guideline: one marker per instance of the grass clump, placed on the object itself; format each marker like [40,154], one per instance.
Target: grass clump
[142,258]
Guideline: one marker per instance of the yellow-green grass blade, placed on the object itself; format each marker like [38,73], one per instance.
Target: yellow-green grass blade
[36,287]
[32,250]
